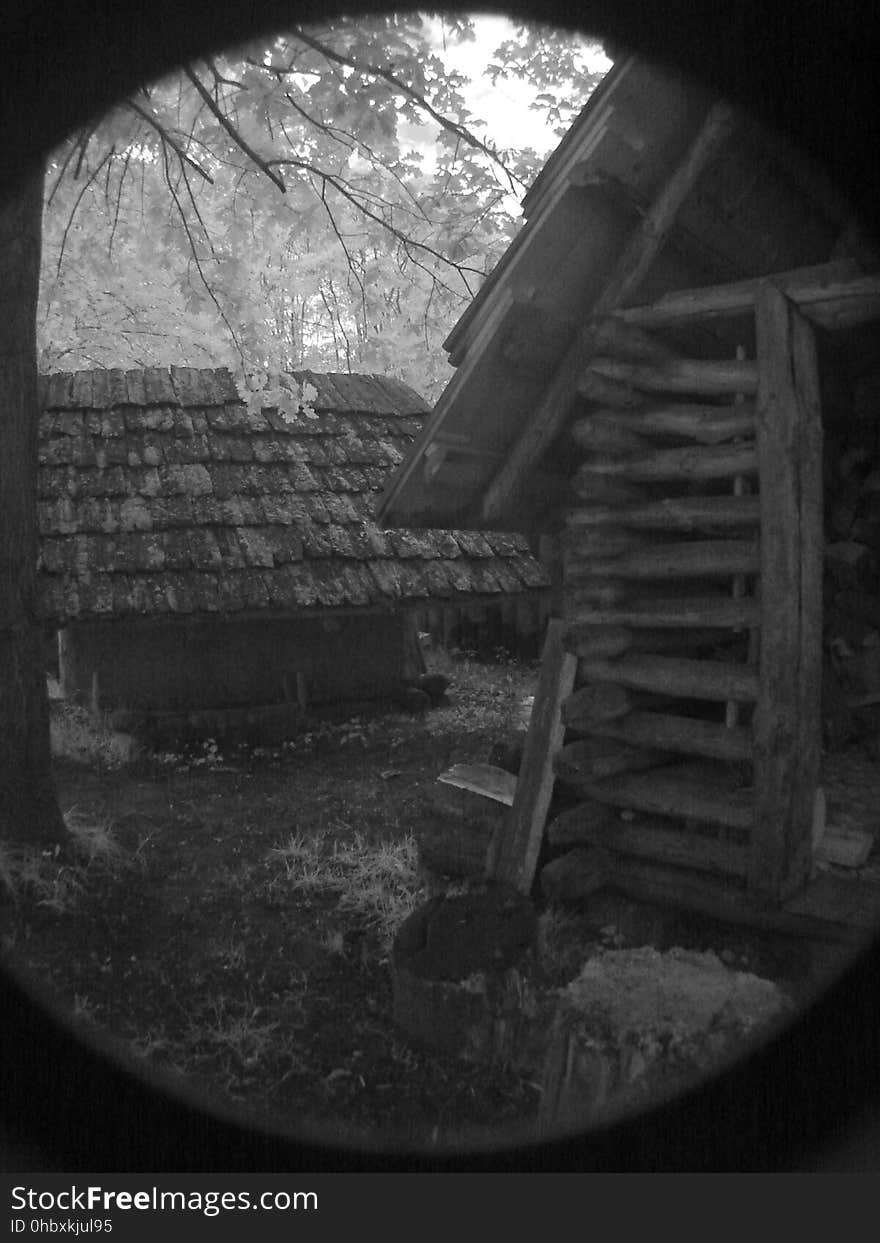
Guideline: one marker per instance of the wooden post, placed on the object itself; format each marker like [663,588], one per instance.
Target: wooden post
[516,854]
[787,717]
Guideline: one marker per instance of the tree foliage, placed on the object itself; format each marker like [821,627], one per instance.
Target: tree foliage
[323,199]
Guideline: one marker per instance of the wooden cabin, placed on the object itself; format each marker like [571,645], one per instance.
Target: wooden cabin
[644,383]
[197,552]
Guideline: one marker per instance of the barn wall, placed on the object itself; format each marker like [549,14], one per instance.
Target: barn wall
[179,664]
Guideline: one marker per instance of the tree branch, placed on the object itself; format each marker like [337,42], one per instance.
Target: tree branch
[166,137]
[233,132]
[453,127]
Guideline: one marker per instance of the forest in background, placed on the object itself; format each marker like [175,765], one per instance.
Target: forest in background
[326,200]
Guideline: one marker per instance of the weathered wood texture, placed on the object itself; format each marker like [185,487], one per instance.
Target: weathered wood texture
[695,559]
[638,255]
[705,794]
[674,513]
[672,465]
[520,845]
[709,425]
[674,613]
[787,718]
[671,675]
[680,734]
[830,295]
[713,377]
[667,843]
[589,760]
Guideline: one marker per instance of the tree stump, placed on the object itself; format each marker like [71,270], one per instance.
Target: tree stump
[461,967]
[637,1025]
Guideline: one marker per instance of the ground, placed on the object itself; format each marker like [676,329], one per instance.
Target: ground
[229,918]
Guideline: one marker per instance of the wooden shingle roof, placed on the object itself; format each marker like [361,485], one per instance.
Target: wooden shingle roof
[162,492]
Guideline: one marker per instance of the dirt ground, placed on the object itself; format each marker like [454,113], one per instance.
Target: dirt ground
[230,918]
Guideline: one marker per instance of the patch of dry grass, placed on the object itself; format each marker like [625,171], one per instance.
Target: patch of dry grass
[76,735]
[377,882]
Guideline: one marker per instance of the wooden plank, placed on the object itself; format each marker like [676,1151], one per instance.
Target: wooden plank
[690,792]
[691,559]
[709,425]
[661,841]
[808,744]
[517,852]
[675,465]
[676,614]
[682,734]
[781,849]
[600,701]
[579,763]
[685,513]
[824,293]
[705,377]
[830,908]
[671,675]
[630,269]
[603,434]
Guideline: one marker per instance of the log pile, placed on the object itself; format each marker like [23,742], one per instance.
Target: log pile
[674,746]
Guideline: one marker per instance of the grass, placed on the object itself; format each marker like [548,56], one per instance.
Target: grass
[378,883]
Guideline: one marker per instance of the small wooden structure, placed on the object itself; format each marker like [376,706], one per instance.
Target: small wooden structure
[197,553]
[642,381]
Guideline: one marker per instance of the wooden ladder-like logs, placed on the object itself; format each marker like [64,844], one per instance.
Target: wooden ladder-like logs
[660,534]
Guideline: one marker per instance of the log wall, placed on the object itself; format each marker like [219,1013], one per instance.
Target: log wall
[692,570]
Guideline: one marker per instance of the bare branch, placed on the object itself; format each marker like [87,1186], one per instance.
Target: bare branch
[166,137]
[73,210]
[233,132]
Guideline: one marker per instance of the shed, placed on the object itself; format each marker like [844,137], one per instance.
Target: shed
[202,552]
[645,380]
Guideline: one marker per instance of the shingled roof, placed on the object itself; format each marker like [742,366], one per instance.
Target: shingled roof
[162,492]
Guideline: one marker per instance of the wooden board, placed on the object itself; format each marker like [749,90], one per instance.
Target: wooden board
[685,791]
[682,734]
[518,849]
[787,716]
[684,513]
[677,677]
[486,779]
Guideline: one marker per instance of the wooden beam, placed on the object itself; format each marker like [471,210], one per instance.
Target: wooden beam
[598,702]
[665,844]
[579,763]
[709,425]
[683,792]
[831,908]
[602,433]
[682,734]
[629,271]
[515,859]
[812,537]
[826,294]
[703,377]
[682,679]
[690,559]
[682,513]
[781,846]
[695,462]
[676,614]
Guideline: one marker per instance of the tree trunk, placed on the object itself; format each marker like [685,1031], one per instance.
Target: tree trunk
[28,807]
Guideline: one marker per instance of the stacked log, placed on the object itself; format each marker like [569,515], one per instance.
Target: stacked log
[660,561]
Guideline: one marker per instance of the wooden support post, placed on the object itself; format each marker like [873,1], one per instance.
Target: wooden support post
[631,268]
[516,856]
[787,717]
